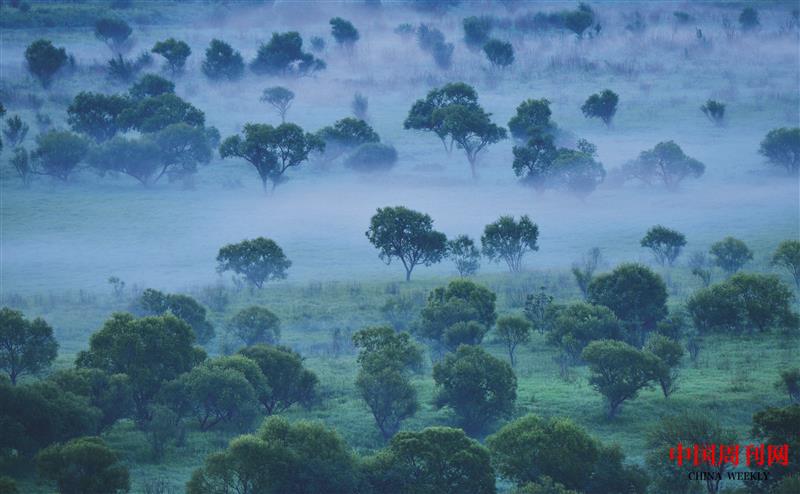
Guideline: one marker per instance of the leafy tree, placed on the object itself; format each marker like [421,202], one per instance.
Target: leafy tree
[58,153]
[110,394]
[15,131]
[84,465]
[579,20]
[346,134]
[344,32]
[744,302]
[464,254]
[470,127]
[532,120]
[635,294]
[665,163]
[175,52]
[272,150]
[436,459]
[45,60]
[748,19]
[665,243]
[182,147]
[255,325]
[372,157]
[382,346]
[499,53]
[578,324]
[284,55]
[577,170]
[670,352]
[619,371]
[301,458]
[138,158]
[155,303]
[420,116]
[583,271]
[714,110]
[701,267]
[124,70]
[509,240]
[540,310]
[601,105]
[150,351]
[113,32]
[513,330]
[775,425]
[432,41]
[288,382]
[22,164]
[478,387]
[476,31]
[730,254]
[461,313]
[160,430]
[222,62]
[259,260]
[781,147]
[158,112]
[26,347]
[787,256]
[279,98]
[150,85]
[97,115]
[407,235]
[534,162]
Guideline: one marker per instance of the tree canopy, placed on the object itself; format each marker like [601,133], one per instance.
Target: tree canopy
[258,260]
[26,347]
[45,60]
[665,243]
[509,240]
[666,163]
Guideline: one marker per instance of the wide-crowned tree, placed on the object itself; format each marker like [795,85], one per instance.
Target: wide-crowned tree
[115,33]
[532,120]
[279,98]
[578,324]
[619,371]
[665,243]
[512,331]
[478,387]
[137,158]
[272,150]
[58,153]
[150,351]
[787,256]
[781,147]
[407,235]
[155,303]
[222,62]
[85,464]
[254,325]
[460,313]
[26,347]
[464,255]
[470,127]
[45,60]
[175,52]
[158,112]
[96,115]
[666,163]
[420,116]
[509,240]
[577,170]
[601,105]
[670,353]
[284,55]
[151,85]
[258,260]
[534,162]
[344,32]
[730,254]
[288,381]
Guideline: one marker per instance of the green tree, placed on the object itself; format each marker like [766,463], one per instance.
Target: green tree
[110,394]
[284,55]
[478,387]
[113,32]
[407,235]
[58,153]
[96,115]
[150,85]
[790,383]
[579,20]
[84,465]
[781,147]
[461,313]
[534,162]
[513,330]
[509,240]
[470,127]
[540,310]
[259,260]
[222,62]
[175,52]
[476,31]
[730,254]
[532,120]
[583,270]
[150,351]
[701,267]
[26,347]
[578,324]
[665,163]
[464,254]
[665,243]
[158,112]
[780,426]
[301,458]
[155,303]
[345,135]
[45,60]
[577,170]
[714,110]
[15,131]
[787,256]
[670,353]
[138,158]
[619,371]
[421,115]
[748,19]
[372,157]
[499,53]
[288,381]
[279,98]
[601,105]
[344,32]
[183,147]
[255,325]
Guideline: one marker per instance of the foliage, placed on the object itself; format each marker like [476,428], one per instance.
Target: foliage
[577,170]
[701,267]
[150,85]
[45,60]
[730,254]
[284,55]
[578,324]
[579,20]
[509,240]
[15,131]
[84,465]
[665,243]
[780,426]
[499,53]
[534,162]
[158,112]
[175,52]
[532,120]
[781,147]
[787,256]
[601,105]
[583,271]
[476,31]
[255,325]
[346,134]
[113,32]
[155,303]
[22,164]
[513,330]
[464,254]
[222,62]
[539,310]
[470,128]
[748,19]
[714,110]
[279,98]
[372,157]
[420,116]
[110,394]
[58,153]
[96,115]
[461,313]
[259,260]
[26,347]
[432,41]
[343,31]
[665,163]
[670,353]
[288,381]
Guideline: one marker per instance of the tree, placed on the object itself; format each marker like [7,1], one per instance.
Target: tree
[284,55]
[579,324]
[288,382]
[382,346]
[464,254]
[670,353]
[407,235]
[635,294]
[470,127]
[96,115]
[372,157]
[601,105]
[665,163]
[781,147]
[344,32]
[45,60]
[150,351]
[744,302]
[513,330]
[113,32]
[222,62]
[15,131]
[420,116]
[534,162]
[714,110]
[345,135]
[499,53]
[22,164]
[111,394]
[155,303]
[532,120]
[730,254]
[540,310]
[175,52]
[461,313]
[432,41]
[584,270]
[478,387]
[579,20]
[619,371]
[8,485]
[279,98]
[255,325]
[26,347]
[776,426]
[701,267]
[665,243]
[182,147]
[138,158]
[790,383]
[476,31]
[301,458]
[150,85]
[58,153]
[272,150]
[84,465]
[259,260]
[158,112]
[577,170]
[160,430]
[748,19]
[787,256]
[509,240]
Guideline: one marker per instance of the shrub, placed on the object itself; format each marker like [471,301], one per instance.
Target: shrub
[372,157]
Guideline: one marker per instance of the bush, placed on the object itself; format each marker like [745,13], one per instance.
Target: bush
[222,61]
[432,41]
[284,55]
[372,157]
[476,31]
[499,53]
[45,60]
